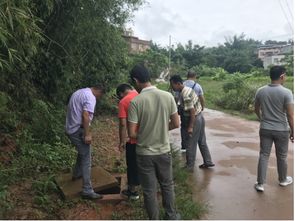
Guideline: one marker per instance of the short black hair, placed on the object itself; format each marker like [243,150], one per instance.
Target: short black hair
[99,87]
[176,79]
[276,71]
[191,74]
[122,88]
[141,73]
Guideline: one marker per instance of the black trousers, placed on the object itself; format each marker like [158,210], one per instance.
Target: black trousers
[132,173]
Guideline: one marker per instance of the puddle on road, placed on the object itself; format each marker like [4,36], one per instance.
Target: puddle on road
[231,196]
[245,162]
[228,125]
[248,145]
[228,187]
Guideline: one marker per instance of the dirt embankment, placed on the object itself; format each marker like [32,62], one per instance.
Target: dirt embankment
[104,153]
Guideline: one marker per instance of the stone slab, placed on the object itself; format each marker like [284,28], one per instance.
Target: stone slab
[112,198]
[100,178]
[116,198]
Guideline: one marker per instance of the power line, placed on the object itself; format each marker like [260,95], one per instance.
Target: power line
[291,27]
[289,9]
[169,61]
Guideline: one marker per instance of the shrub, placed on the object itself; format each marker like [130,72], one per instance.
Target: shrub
[204,70]
[5,205]
[46,123]
[238,95]
[8,118]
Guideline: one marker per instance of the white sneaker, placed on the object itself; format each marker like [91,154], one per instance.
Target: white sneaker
[287,182]
[182,150]
[259,187]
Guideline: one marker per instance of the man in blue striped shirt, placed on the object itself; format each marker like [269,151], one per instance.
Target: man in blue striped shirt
[204,149]
[192,124]
[191,82]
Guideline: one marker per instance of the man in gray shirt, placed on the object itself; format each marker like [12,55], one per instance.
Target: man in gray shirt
[274,108]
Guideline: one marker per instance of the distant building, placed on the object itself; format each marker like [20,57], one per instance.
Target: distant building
[135,44]
[274,54]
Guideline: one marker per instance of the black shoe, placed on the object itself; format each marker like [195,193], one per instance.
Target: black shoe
[203,166]
[130,195]
[92,196]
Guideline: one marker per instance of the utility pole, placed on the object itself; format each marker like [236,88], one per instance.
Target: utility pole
[169,61]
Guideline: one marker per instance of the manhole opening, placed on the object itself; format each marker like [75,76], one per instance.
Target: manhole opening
[112,190]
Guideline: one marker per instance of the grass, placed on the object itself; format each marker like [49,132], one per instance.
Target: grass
[189,209]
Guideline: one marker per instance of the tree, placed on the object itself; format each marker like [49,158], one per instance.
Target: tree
[239,54]
[48,48]
[289,63]
[155,61]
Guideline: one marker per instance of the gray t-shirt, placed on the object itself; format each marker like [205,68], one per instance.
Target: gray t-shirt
[273,100]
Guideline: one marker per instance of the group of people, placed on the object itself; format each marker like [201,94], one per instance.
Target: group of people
[146,114]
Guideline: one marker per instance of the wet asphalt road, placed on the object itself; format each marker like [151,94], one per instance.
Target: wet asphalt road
[228,188]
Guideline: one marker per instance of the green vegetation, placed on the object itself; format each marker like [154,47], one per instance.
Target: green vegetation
[154,60]
[189,209]
[237,54]
[48,49]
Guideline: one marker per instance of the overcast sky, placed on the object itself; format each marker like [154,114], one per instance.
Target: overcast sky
[207,22]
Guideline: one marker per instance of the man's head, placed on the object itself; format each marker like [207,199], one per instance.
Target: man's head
[122,90]
[191,75]
[278,73]
[140,77]
[98,91]
[176,83]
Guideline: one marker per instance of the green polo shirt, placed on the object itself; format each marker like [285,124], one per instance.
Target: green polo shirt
[151,110]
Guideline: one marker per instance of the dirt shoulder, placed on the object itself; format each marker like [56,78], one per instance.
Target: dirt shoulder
[27,200]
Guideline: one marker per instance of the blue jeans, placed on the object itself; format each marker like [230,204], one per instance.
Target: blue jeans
[83,162]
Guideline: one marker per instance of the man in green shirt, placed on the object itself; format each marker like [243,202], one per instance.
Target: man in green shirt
[151,115]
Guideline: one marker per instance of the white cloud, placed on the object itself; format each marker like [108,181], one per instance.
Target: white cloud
[207,22]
